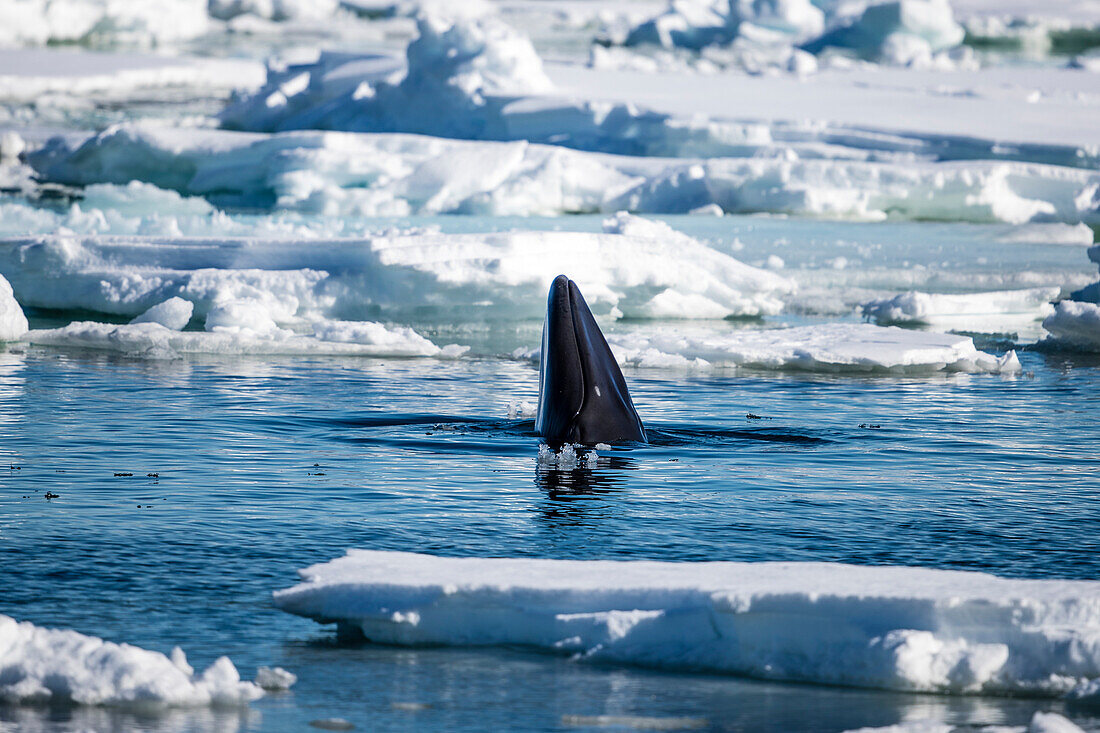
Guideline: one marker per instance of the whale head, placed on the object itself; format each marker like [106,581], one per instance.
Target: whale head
[582,393]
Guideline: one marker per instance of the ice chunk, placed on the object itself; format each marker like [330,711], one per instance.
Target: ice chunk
[13,324]
[1052,723]
[834,347]
[967,311]
[897,28]
[1074,324]
[174,313]
[888,627]
[275,678]
[460,70]
[62,666]
[240,329]
[522,410]
[649,271]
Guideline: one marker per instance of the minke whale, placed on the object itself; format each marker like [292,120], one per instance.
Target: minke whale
[582,393]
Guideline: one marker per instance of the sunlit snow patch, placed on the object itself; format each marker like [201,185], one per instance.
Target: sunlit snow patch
[57,665]
[833,347]
[890,627]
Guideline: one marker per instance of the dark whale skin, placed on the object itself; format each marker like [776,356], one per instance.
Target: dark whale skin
[582,393]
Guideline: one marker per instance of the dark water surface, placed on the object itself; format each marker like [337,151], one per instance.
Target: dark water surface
[267,465]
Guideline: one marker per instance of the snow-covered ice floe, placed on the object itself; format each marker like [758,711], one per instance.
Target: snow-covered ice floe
[1074,324]
[970,311]
[832,347]
[62,666]
[398,174]
[636,268]
[886,627]
[1041,722]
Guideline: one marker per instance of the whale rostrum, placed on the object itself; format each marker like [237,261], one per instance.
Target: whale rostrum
[582,393]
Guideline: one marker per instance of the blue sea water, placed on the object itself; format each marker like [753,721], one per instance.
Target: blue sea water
[244,470]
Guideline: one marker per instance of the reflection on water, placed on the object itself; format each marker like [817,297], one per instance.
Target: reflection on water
[81,719]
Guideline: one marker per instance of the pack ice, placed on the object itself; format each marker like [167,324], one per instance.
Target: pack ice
[886,627]
[398,174]
[61,666]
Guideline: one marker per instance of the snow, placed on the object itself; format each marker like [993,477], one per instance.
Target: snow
[887,627]
[13,324]
[1074,324]
[61,666]
[173,314]
[244,329]
[28,74]
[638,268]
[832,347]
[137,22]
[396,175]
[883,29]
[459,73]
[918,307]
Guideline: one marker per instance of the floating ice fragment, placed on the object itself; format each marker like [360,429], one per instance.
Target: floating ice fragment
[1052,723]
[275,678]
[900,628]
[918,307]
[62,666]
[1074,324]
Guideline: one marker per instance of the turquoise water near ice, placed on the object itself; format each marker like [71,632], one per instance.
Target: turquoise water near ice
[264,466]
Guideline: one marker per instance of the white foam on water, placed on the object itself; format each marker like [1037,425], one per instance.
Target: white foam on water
[61,666]
[898,628]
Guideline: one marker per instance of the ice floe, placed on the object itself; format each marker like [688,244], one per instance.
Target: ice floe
[832,347]
[888,627]
[638,268]
[396,174]
[1041,722]
[61,666]
[242,327]
[13,324]
[1074,324]
[969,308]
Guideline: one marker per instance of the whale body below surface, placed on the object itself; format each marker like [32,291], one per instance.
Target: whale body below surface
[582,393]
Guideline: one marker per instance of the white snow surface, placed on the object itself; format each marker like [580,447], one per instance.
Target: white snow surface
[397,174]
[918,307]
[61,666]
[13,324]
[639,268]
[136,22]
[457,72]
[1075,324]
[26,75]
[173,314]
[888,627]
[832,347]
